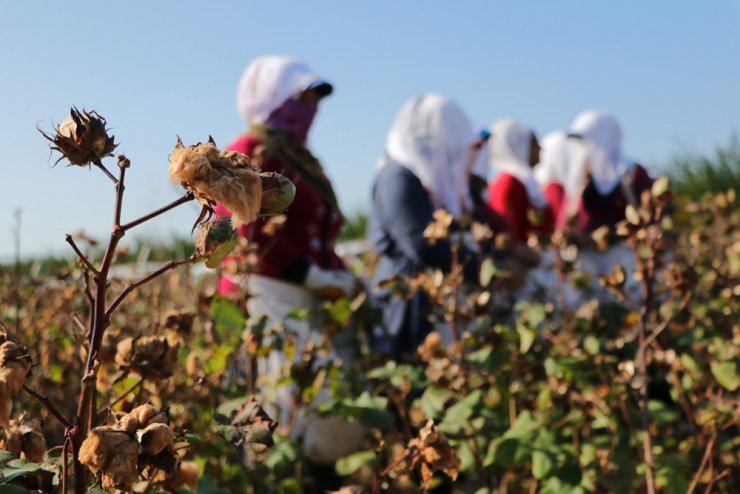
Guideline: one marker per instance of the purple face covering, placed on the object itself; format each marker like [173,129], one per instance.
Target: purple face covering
[294,118]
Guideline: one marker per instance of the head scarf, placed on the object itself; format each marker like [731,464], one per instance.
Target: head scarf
[510,147]
[267,101]
[267,94]
[602,139]
[561,161]
[432,137]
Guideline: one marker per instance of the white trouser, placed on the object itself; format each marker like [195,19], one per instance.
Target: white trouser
[324,439]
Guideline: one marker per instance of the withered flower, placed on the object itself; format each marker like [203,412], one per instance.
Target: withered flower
[431,452]
[82,138]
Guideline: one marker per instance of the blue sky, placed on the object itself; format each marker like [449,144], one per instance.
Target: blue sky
[670,71]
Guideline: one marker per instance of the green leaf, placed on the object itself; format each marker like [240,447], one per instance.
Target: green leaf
[339,311]
[228,408]
[6,456]
[434,399]
[351,463]
[207,485]
[592,345]
[228,320]
[15,489]
[726,374]
[542,464]
[487,271]
[219,359]
[527,337]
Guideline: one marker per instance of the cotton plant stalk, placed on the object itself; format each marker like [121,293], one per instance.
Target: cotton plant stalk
[209,176]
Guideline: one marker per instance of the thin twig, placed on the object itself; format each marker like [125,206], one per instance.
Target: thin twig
[65,460]
[106,171]
[47,404]
[133,285]
[186,198]
[684,302]
[79,323]
[119,196]
[83,258]
[703,464]
[120,398]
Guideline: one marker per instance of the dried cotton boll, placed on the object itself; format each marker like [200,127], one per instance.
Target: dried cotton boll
[122,471]
[156,438]
[34,446]
[113,454]
[147,355]
[214,176]
[15,363]
[11,439]
[189,166]
[6,405]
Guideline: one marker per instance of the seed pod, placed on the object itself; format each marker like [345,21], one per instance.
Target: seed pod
[216,240]
[277,193]
[82,138]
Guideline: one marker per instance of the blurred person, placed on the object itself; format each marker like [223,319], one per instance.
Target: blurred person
[424,169]
[514,193]
[560,175]
[296,265]
[612,179]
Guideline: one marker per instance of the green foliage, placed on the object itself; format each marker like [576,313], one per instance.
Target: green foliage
[695,176]
[355,227]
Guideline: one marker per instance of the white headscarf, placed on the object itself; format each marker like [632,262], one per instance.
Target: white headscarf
[431,136]
[268,82]
[562,161]
[602,138]
[510,146]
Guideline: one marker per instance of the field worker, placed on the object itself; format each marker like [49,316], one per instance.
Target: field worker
[514,192]
[613,180]
[427,156]
[278,99]
[560,174]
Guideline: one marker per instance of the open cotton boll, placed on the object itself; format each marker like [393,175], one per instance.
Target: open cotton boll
[218,176]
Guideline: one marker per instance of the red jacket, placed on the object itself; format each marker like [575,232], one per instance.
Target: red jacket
[508,197]
[307,236]
[555,195]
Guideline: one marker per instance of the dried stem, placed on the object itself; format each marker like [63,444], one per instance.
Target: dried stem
[647,294]
[83,258]
[186,198]
[65,462]
[79,323]
[703,464]
[682,305]
[106,171]
[47,404]
[154,274]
